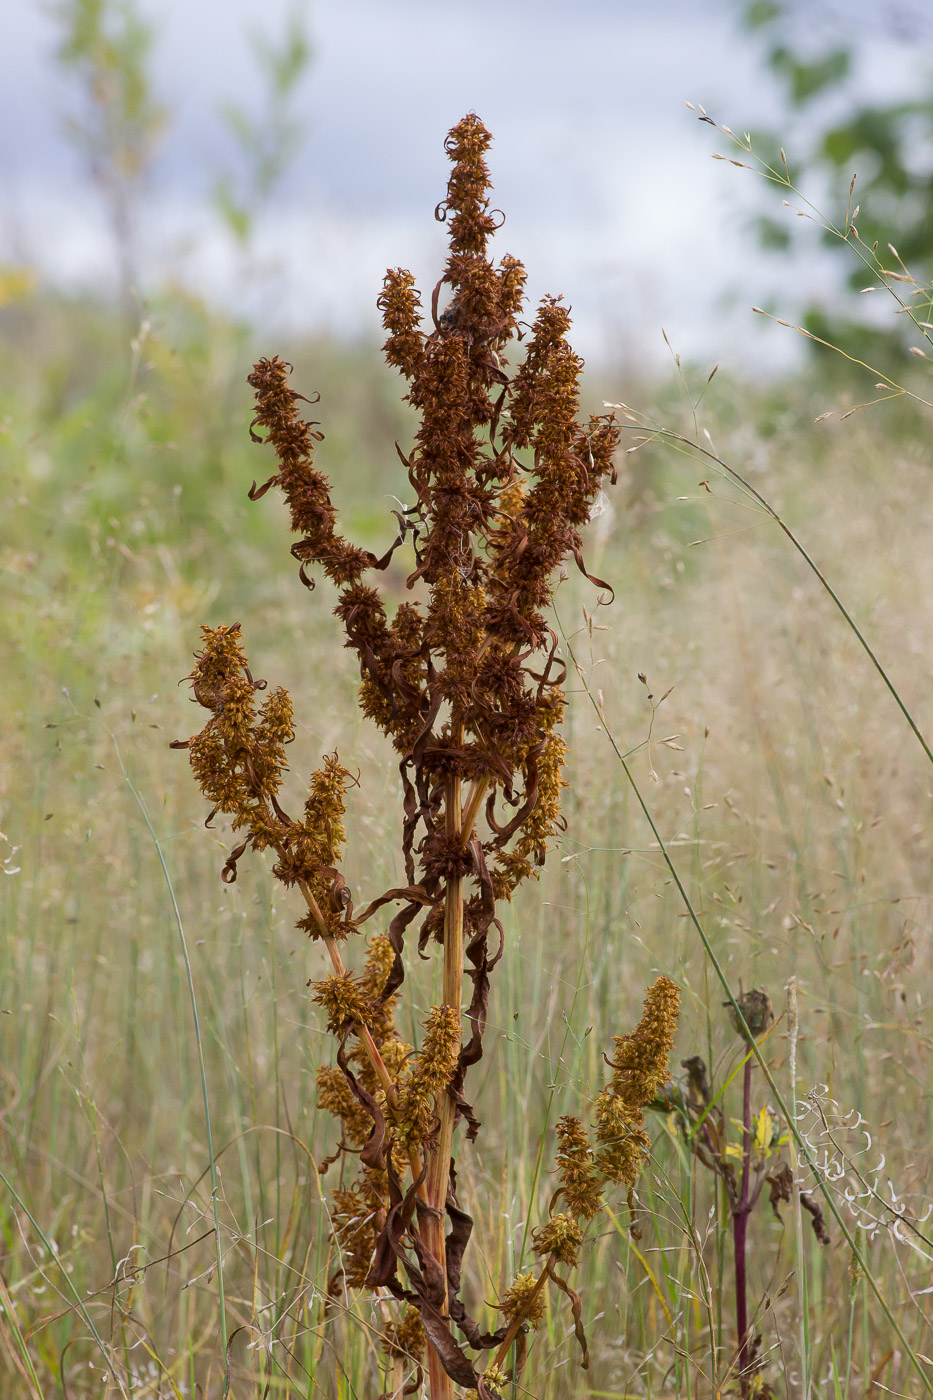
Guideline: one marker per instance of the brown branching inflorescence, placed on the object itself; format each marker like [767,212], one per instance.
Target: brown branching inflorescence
[466,683]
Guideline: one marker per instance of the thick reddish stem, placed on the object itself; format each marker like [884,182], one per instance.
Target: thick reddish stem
[740,1232]
[439,1164]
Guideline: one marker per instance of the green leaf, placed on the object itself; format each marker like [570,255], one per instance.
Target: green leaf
[772,235]
[761,13]
[808,80]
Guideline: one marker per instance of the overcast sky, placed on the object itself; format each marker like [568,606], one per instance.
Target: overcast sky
[604,175]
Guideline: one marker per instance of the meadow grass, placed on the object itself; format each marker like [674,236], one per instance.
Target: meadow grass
[790,795]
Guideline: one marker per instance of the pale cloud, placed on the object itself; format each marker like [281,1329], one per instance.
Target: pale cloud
[604,174]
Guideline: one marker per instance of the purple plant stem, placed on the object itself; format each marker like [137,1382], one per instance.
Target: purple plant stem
[740,1229]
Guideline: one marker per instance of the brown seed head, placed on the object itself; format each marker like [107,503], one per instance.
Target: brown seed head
[639,1069]
[581,1192]
[524,1300]
[405,1340]
[353,1213]
[344,1000]
[755,1006]
[431,1072]
[560,1236]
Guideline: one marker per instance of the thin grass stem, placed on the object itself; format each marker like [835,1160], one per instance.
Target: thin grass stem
[803,1147]
[66,1278]
[183,941]
[669,435]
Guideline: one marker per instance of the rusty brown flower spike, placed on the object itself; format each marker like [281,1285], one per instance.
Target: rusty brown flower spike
[465,681]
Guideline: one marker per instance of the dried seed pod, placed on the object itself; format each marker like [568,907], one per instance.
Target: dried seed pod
[755,1006]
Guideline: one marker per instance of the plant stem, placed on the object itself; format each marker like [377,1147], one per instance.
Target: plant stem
[69,1287]
[740,1230]
[337,962]
[199,1044]
[793,1026]
[439,1164]
[471,807]
[747,486]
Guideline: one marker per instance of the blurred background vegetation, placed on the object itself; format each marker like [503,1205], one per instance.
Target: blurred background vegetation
[791,794]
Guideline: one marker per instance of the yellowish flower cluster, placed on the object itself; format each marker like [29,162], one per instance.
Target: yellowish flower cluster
[344,1000]
[639,1069]
[560,1236]
[580,1180]
[429,1076]
[524,1299]
[405,1340]
[495,1380]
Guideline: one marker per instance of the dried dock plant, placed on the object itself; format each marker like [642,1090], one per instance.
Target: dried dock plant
[466,682]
